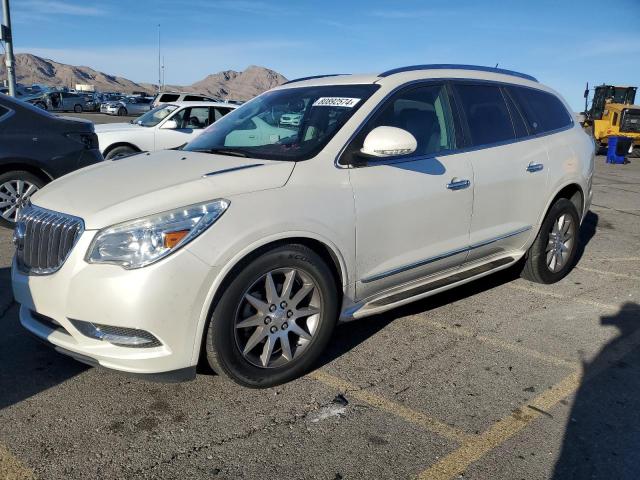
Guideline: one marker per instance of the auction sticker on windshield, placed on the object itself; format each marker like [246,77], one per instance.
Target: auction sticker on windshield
[336,102]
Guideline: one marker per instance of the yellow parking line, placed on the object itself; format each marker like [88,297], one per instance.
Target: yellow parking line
[11,468]
[519,349]
[459,460]
[605,272]
[411,416]
[583,301]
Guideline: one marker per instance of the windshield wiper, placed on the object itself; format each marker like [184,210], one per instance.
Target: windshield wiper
[221,151]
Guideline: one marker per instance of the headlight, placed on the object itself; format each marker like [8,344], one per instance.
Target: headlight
[138,243]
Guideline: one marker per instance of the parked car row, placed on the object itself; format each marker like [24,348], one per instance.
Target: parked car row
[325,199]
[166,126]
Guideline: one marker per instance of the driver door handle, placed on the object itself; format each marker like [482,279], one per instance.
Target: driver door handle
[457,184]
[534,167]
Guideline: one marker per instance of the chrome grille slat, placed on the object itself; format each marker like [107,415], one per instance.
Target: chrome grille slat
[48,239]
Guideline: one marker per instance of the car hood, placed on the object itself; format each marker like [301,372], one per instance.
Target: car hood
[115,191]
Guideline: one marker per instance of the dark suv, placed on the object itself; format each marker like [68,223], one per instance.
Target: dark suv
[35,148]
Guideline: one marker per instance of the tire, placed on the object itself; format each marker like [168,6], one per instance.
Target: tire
[120,152]
[77,108]
[122,112]
[537,267]
[228,347]
[15,188]
[635,153]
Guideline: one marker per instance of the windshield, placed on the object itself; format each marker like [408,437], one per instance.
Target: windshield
[289,124]
[155,116]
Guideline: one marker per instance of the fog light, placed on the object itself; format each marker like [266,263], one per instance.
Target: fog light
[120,336]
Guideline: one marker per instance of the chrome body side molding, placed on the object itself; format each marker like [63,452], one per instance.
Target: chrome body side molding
[442,256]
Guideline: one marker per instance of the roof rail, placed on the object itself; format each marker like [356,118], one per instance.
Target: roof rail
[453,66]
[314,76]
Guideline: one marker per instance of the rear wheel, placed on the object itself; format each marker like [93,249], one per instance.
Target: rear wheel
[553,253]
[274,319]
[16,189]
[634,151]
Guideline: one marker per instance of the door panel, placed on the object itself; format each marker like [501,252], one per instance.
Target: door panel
[508,197]
[509,175]
[412,212]
[409,224]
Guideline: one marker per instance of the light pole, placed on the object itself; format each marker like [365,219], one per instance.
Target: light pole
[8,41]
[159,67]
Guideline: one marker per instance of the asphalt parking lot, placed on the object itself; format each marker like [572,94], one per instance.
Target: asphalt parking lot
[500,379]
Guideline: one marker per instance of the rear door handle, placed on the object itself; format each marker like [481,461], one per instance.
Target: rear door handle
[534,167]
[456,184]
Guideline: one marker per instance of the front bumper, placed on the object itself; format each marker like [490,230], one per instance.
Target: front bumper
[166,299]
[109,110]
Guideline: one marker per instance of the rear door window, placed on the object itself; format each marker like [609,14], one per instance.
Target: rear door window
[220,112]
[193,98]
[169,97]
[543,111]
[486,112]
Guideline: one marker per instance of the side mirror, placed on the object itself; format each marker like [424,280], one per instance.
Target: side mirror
[170,124]
[388,142]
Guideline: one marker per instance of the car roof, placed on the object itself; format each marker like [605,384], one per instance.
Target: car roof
[418,72]
[203,104]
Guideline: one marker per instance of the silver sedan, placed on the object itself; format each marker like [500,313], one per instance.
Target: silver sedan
[127,106]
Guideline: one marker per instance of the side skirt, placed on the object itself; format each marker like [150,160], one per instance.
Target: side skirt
[398,297]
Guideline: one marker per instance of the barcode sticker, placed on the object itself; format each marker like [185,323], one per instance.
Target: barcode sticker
[336,102]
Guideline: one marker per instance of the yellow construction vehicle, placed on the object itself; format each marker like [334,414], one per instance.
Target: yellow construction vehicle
[613,114]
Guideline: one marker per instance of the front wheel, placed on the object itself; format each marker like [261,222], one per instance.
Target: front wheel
[16,189]
[77,108]
[122,112]
[274,319]
[553,253]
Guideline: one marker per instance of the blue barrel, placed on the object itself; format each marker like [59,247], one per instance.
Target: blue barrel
[613,153]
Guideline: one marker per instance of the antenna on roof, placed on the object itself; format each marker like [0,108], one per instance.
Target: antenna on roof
[496,66]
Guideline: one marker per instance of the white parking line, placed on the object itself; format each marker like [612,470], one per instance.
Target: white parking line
[605,272]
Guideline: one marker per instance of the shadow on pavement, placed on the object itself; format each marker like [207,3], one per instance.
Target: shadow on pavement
[587,231]
[27,366]
[602,436]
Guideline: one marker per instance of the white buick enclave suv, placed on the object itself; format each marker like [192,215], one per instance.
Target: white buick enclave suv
[254,239]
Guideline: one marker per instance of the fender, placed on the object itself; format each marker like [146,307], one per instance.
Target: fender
[236,258]
[555,193]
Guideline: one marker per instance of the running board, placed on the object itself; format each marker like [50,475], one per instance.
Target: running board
[442,282]
[382,303]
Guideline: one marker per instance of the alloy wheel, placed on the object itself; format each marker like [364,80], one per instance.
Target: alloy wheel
[14,195]
[277,317]
[560,243]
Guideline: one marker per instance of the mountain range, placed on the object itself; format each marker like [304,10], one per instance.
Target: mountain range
[228,84]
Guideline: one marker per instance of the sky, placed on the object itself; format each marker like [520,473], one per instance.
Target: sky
[564,43]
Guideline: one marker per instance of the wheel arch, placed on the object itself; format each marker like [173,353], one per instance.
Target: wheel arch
[327,251]
[573,192]
[120,144]
[26,166]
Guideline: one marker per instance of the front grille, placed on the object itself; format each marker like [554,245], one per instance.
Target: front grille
[630,121]
[44,239]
